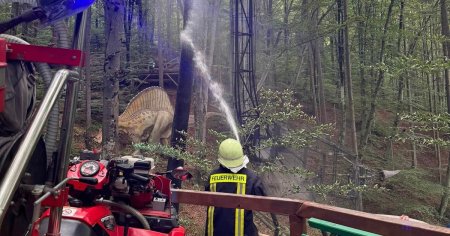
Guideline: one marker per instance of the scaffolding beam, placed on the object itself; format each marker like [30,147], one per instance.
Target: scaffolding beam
[245,97]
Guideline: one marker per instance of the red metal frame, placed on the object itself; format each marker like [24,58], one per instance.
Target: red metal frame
[33,53]
[57,200]
[150,212]
[180,231]
[89,215]
[74,172]
[93,215]
[50,55]
[3,66]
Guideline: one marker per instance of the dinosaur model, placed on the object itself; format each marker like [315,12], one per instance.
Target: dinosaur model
[148,117]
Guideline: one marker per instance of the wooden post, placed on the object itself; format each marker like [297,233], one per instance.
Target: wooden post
[297,225]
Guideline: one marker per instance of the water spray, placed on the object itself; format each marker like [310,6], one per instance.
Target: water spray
[200,64]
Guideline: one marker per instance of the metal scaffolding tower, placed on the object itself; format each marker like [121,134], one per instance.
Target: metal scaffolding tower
[245,98]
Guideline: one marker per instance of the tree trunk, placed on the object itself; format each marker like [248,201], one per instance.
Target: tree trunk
[413,145]
[400,82]
[316,47]
[287,11]
[25,26]
[87,79]
[351,111]
[286,35]
[151,30]
[183,101]
[435,110]
[178,18]
[312,76]
[160,45]
[169,14]
[379,82]
[437,150]
[140,22]
[446,51]
[341,74]
[114,35]
[439,92]
[15,11]
[270,42]
[128,22]
[362,60]
[200,105]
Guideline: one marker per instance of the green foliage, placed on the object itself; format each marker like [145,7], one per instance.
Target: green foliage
[272,166]
[381,129]
[196,156]
[421,126]
[425,121]
[282,107]
[405,65]
[276,106]
[340,189]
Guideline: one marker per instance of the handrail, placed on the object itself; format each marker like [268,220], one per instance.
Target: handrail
[23,155]
[299,211]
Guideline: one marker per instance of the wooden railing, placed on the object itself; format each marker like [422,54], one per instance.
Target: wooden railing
[299,211]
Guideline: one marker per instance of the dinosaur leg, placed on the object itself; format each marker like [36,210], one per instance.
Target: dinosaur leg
[137,139]
[165,136]
[165,141]
[162,129]
[155,135]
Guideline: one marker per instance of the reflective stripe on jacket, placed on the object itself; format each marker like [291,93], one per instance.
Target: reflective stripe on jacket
[226,221]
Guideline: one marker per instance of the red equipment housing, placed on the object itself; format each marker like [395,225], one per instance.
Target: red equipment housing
[94,217]
[88,219]
[75,172]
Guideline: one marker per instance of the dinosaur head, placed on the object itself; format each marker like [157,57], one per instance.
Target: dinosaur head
[123,133]
[124,136]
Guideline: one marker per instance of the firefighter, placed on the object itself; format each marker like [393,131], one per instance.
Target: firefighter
[232,176]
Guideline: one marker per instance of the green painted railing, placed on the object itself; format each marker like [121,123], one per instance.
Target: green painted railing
[336,229]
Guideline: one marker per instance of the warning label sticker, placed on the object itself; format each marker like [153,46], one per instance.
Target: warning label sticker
[69,211]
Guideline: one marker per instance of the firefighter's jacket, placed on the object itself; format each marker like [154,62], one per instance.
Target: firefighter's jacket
[232,222]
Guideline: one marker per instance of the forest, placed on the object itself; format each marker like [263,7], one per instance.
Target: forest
[354,95]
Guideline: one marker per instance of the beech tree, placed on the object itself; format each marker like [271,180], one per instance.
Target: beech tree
[114,10]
